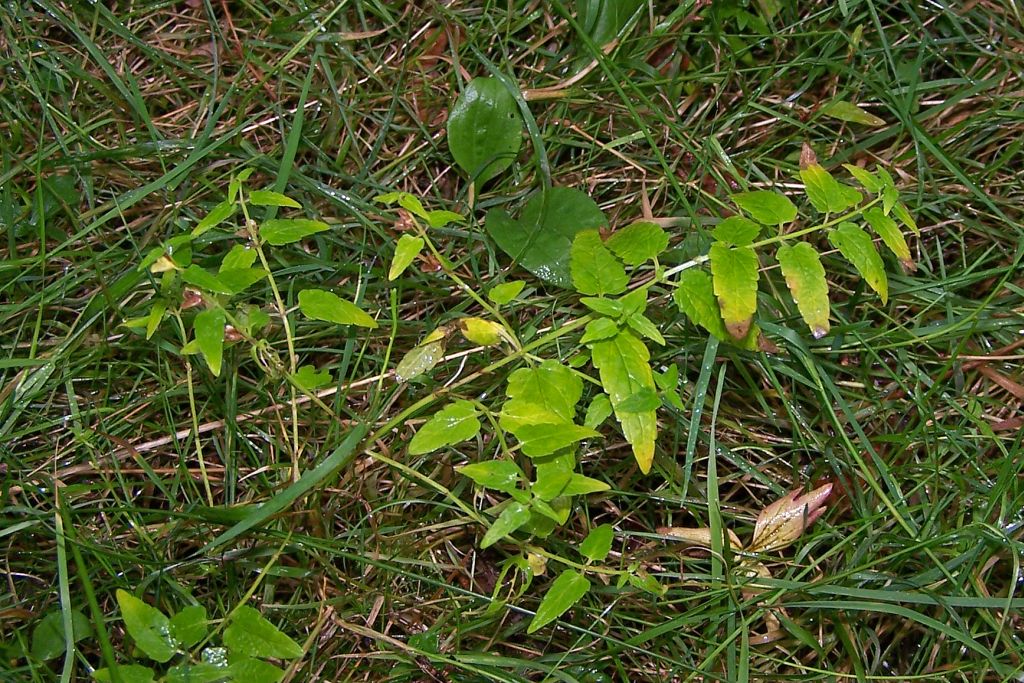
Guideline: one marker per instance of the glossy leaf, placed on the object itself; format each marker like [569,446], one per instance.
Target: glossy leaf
[594,269]
[505,292]
[48,638]
[765,207]
[271,198]
[278,231]
[454,423]
[866,178]
[827,194]
[541,240]
[734,278]
[485,130]
[195,673]
[609,307]
[420,359]
[640,324]
[406,251]
[481,332]
[550,386]
[599,328]
[850,112]
[564,592]
[890,233]
[250,634]
[209,331]
[859,249]
[500,475]
[322,305]
[638,242]
[217,215]
[696,298]
[511,518]
[598,543]
[189,626]
[149,627]
[736,231]
[622,362]
[128,673]
[805,277]
[543,439]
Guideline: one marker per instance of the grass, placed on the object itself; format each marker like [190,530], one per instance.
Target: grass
[122,461]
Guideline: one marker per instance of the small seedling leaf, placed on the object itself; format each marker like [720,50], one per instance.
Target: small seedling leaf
[594,269]
[805,277]
[309,378]
[455,422]
[148,626]
[858,248]
[406,251]
[250,634]
[48,640]
[734,278]
[204,280]
[240,256]
[505,292]
[736,231]
[322,305]
[599,410]
[598,543]
[237,280]
[500,475]
[844,110]
[766,207]
[209,330]
[481,332]
[511,518]
[638,242]
[696,298]
[278,231]
[565,591]
[485,130]
[271,198]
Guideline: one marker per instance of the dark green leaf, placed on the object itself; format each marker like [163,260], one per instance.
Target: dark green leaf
[500,475]
[603,20]
[565,591]
[209,329]
[734,278]
[765,207]
[511,518]
[598,543]
[322,305]
[48,639]
[129,673]
[278,231]
[805,278]
[858,248]
[638,242]
[455,422]
[148,626]
[250,634]
[188,626]
[485,130]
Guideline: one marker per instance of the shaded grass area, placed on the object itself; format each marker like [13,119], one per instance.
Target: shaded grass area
[122,460]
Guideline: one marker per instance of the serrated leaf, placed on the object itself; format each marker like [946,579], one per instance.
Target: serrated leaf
[240,256]
[564,592]
[217,215]
[594,269]
[579,485]
[250,634]
[599,328]
[844,110]
[271,198]
[734,279]
[890,233]
[204,280]
[622,364]
[541,240]
[322,305]
[309,378]
[805,277]
[505,292]
[858,248]
[511,518]
[209,331]
[538,440]
[251,670]
[481,332]
[736,231]
[696,298]
[645,328]
[128,673]
[406,251]
[149,627]
[485,130]
[598,543]
[638,242]
[189,626]
[48,638]
[766,207]
[551,386]
[827,194]
[278,231]
[866,178]
[237,280]
[500,475]
[599,410]
[455,422]
[422,358]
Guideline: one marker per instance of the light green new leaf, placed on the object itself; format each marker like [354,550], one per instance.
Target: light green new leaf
[551,385]
[599,328]
[736,231]
[240,256]
[552,476]
[538,440]
[641,402]
[322,305]
[209,330]
[645,328]
[440,218]
[826,193]
[890,195]
[696,298]
[406,251]
[565,591]
[622,364]
[129,673]
[579,485]
[765,207]
[594,269]
[858,248]
[204,280]
[271,198]
[734,278]
[505,292]
[609,307]
[455,422]
[250,634]
[598,543]
[217,215]
[599,410]
[901,212]
[309,378]
[156,316]
[422,357]
[511,518]
[252,670]
[482,332]
[278,231]
[485,130]
[805,277]
[240,279]
[848,111]
[638,242]
[189,626]
[500,475]
[892,236]
[148,626]
[866,178]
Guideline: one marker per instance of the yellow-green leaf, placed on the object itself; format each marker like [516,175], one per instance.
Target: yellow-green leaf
[480,331]
[455,422]
[217,215]
[271,198]
[866,178]
[622,362]
[406,251]
[420,359]
[322,305]
[826,193]
[598,543]
[901,212]
[736,231]
[892,236]
[848,111]
[505,292]
[696,298]
[734,278]
[805,278]
[278,231]
[858,248]
[148,626]
[594,269]
[500,475]
[765,207]
[638,242]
